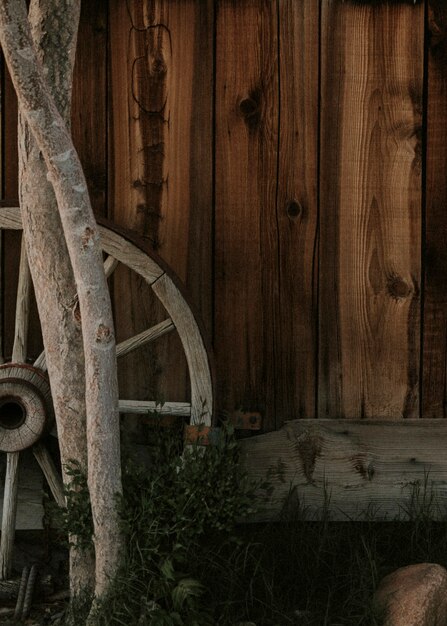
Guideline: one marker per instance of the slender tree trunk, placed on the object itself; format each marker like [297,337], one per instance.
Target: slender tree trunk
[82,238]
[54,29]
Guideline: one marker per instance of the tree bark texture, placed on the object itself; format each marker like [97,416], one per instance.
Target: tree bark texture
[54,30]
[82,238]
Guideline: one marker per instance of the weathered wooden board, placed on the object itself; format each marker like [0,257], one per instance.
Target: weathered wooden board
[89,104]
[11,241]
[370,209]
[361,466]
[435,292]
[161,166]
[30,510]
[10,165]
[246,227]
[297,211]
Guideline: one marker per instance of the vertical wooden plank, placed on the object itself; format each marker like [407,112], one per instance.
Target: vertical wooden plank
[10,166]
[89,104]
[11,254]
[246,231]
[297,211]
[435,296]
[370,202]
[160,170]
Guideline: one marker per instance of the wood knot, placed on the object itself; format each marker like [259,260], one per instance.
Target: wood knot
[250,110]
[87,237]
[294,209]
[158,66]
[103,334]
[398,288]
[248,107]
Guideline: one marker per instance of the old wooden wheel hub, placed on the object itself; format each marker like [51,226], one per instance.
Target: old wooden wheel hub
[25,406]
[26,412]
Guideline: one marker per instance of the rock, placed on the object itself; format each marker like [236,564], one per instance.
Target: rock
[415,595]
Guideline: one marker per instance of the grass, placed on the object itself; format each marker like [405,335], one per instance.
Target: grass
[189,563]
[323,573]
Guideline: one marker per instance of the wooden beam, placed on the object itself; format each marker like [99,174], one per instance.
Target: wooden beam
[361,465]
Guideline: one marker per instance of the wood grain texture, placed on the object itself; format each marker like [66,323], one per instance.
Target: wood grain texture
[11,247]
[151,334]
[19,350]
[10,165]
[361,466]
[52,475]
[89,102]
[246,229]
[370,209]
[160,165]
[435,294]
[297,210]
[29,508]
[201,384]
[9,510]
[146,407]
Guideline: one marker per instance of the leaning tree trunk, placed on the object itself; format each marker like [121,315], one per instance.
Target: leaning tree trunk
[54,29]
[82,237]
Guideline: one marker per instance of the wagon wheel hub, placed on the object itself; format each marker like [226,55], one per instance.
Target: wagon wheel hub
[25,406]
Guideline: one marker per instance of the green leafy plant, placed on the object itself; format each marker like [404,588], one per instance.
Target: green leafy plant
[75,519]
[187,497]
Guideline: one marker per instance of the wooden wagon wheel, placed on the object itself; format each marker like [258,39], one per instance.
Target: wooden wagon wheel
[26,412]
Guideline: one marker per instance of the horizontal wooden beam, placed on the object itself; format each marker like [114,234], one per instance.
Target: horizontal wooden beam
[362,467]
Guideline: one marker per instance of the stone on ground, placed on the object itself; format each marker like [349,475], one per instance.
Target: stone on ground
[415,595]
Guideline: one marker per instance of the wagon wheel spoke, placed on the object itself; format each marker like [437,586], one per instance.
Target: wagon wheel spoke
[110,265]
[50,472]
[151,334]
[26,392]
[9,513]
[22,309]
[143,407]
[40,361]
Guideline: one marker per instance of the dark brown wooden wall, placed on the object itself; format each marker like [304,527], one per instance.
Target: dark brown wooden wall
[288,159]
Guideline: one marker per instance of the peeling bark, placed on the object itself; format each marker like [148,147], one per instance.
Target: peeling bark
[68,181]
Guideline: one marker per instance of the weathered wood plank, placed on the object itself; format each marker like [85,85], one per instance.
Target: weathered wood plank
[9,510]
[362,466]
[89,104]
[145,407]
[370,209]
[9,114]
[297,210]
[246,230]
[11,248]
[29,508]
[22,311]
[161,166]
[52,475]
[434,392]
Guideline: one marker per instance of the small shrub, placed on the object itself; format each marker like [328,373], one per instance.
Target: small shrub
[172,511]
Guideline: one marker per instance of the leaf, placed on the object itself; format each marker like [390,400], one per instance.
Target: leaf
[186,588]
[167,569]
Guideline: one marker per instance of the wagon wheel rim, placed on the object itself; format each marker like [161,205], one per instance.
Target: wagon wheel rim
[25,397]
